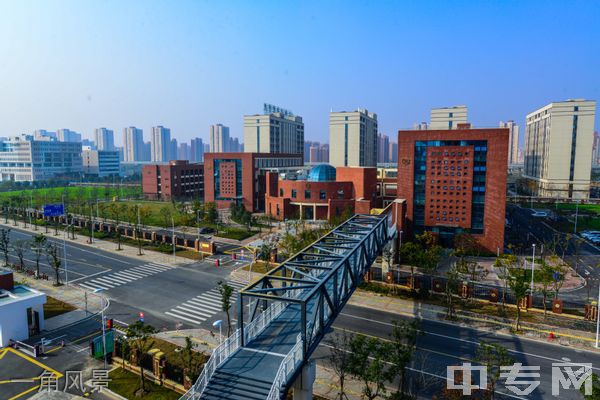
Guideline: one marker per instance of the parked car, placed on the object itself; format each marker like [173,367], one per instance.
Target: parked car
[539,214]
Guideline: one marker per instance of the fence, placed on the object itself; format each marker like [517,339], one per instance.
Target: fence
[493,293]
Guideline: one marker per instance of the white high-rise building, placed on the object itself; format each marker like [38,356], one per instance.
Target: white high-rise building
[447,117]
[66,135]
[133,144]
[353,138]
[24,158]
[558,149]
[513,141]
[161,144]
[275,132]
[105,139]
[218,136]
[101,162]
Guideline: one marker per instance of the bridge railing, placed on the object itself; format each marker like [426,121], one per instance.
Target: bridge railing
[218,356]
[288,366]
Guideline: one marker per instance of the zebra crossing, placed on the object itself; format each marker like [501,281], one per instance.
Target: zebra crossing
[124,277]
[202,307]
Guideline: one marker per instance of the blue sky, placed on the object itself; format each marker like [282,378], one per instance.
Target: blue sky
[85,64]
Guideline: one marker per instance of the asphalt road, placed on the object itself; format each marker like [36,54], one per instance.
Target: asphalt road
[584,257]
[186,297]
[443,344]
[169,297]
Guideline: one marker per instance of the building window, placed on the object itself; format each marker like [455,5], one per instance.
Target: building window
[281,192]
[293,193]
[340,193]
[307,194]
[322,195]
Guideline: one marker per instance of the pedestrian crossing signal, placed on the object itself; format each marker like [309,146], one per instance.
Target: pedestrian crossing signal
[141,317]
[109,323]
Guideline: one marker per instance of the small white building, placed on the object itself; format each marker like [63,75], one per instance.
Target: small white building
[21,310]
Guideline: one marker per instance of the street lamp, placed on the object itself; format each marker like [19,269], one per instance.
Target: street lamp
[532,268]
[173,237]
[576,215]
[97,291]
[198,223]
[219,323]
[598,316]
[65,253]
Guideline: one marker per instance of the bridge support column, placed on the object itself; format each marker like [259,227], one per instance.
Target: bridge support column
[303,386]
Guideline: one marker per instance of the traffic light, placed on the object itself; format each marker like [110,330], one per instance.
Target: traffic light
[109,323]
[141,317]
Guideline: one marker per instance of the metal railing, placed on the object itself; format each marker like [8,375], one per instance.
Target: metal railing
[287,367]
[219,355]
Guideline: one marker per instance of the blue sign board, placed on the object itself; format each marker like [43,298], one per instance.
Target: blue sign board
[54,210]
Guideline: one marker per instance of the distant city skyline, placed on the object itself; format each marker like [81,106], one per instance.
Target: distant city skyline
[186,75]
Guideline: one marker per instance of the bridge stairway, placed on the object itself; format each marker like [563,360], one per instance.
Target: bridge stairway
[228,386]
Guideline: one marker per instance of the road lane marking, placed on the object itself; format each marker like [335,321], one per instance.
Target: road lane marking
[471,341]
[194,311]
[183,318]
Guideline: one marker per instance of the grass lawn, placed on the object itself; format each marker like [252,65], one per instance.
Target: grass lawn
[126,384]
[54,307]
[81,193]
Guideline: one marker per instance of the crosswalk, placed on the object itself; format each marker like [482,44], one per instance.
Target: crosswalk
[124,277]
[202,307]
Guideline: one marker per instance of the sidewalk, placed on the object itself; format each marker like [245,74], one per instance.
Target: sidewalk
[535,331]
[111,247]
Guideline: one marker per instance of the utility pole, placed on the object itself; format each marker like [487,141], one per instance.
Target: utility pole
[576,215]
[173,237]
[532,268]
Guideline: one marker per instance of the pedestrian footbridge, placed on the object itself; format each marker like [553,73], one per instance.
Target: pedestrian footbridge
[283,316]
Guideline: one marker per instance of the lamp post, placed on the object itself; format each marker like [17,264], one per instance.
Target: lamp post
[219,323]
[65,253]
[198,223]
[598,316]
[576,215]
[173,237]
[102,298]
[532,268]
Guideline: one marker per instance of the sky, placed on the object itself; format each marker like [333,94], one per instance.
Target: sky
[188,64]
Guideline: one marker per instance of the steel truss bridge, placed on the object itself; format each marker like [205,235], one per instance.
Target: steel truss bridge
[283,316]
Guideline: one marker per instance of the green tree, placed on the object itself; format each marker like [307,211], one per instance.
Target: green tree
[369,357]
[117,212]
[404,344]
[450,290]
[340,360]
[546,280]
[190,365]
[53,256]
[226,293]
[140,341]
[212,214]
[595,388]
[20,247]
[503,265]
[492,356]
[39,246]
[5,243]
[519,286]
[167,215]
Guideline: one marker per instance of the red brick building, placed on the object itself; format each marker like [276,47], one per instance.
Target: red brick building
[176,180]
[454,181]
[326,192]
[241,177]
